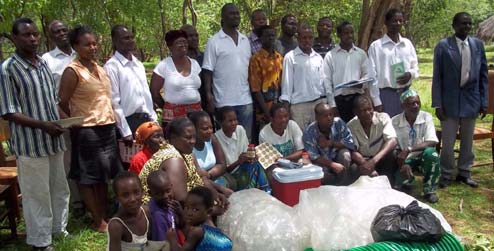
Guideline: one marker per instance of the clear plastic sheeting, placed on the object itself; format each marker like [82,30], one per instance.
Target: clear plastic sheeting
[342,216]
[257,221]
[326,218]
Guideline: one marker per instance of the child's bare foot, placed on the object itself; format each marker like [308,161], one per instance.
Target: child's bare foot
[101,228]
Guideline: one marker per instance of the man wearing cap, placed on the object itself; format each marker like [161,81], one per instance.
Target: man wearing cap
[150,136]
[416,143]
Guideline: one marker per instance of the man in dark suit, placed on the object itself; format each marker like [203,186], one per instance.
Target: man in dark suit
[459,94]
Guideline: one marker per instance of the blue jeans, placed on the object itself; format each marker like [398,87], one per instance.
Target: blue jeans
[245,117]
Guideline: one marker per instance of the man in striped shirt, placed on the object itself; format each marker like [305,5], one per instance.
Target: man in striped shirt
[28,101]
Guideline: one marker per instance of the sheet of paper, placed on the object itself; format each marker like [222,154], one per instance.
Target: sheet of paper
[68,122]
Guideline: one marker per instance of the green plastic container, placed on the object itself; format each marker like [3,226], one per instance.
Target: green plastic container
[447,243]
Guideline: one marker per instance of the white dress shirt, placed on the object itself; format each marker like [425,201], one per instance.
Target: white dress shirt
[302,77]
[423,130]
[130,90]
[229,63]
[385,52]
[57,60]
[341,66]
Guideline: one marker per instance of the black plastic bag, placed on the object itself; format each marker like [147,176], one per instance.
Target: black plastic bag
[413,223]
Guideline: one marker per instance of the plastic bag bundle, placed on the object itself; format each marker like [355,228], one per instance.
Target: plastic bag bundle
[341,217]
[413,223]
[257,221]
[326,218]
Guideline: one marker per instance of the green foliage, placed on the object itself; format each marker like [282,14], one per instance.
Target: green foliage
[481,243]
[431,20]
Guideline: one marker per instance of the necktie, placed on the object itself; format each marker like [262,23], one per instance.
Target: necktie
[465,63]
[412,134]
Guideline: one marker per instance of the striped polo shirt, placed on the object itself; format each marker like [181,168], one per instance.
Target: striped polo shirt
[30,90]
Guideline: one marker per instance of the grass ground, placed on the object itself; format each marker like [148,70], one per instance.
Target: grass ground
[469,211]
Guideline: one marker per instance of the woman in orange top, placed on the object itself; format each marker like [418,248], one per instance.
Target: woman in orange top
[85,92]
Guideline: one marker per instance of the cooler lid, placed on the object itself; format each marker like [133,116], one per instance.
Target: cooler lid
[309,172]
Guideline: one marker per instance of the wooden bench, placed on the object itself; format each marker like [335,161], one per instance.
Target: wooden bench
[9,192]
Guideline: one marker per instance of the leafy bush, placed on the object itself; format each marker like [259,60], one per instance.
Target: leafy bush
[481,243]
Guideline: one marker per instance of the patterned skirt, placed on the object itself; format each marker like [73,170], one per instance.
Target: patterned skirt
[171,111]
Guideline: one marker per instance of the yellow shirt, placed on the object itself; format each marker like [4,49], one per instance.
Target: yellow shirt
[92,96]
[265,75]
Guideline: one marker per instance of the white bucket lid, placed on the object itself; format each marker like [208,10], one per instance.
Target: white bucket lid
[309,172]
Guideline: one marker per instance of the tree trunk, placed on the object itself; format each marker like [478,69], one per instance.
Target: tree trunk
[1,40]
[1,48]
[367,22]
[372,21]
[407,10]
[272,6]
[193,13]
[163,28]
[44,28]
[74,9]
[184,11]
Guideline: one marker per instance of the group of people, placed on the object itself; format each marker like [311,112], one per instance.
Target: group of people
[352,111]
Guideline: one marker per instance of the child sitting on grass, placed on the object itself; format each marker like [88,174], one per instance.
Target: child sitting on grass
[129,228]
[201,234]
[166,213]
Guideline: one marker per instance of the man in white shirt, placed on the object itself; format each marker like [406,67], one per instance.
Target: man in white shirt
[302,79]
[226,67]
[343,64]
[394,60]
[131,98]
[416,141]
[58,58]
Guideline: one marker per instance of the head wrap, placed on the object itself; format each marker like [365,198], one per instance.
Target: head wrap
[408,93]
[145,130]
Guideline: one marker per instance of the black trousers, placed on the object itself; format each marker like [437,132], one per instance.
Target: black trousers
[388,166]
[344,104]
[136,119]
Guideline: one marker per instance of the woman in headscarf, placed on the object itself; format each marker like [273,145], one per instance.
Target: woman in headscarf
[150,136]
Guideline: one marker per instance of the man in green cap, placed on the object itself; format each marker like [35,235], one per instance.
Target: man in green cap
[416,142]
